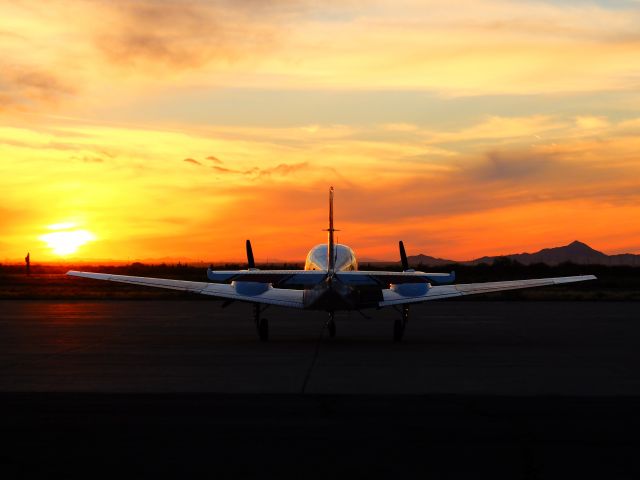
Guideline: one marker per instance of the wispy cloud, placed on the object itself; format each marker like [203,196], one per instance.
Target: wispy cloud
[192,161]
[25,87]
[219,169]
[92,159]
[81,48]
[281,170]
[513,166]
[181,35]
[135,48]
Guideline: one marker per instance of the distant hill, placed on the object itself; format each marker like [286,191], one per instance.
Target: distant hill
[576,252]
[427,260]
[414,260]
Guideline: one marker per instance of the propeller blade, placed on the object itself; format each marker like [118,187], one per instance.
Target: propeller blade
[250,261]
[403,256]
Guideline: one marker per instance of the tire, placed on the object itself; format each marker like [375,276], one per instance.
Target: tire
[331,327]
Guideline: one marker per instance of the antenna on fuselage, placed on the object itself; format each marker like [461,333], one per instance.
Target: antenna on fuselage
[331,258]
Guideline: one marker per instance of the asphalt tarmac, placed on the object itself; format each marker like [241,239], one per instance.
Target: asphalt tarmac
[500,389]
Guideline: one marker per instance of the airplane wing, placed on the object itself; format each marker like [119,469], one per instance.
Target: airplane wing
[399,296]
[265,294]
[276,277]
[314,277]
[363,277]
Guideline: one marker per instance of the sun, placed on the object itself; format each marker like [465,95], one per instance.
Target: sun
[66,239]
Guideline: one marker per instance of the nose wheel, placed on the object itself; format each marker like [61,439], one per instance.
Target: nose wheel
[331,325]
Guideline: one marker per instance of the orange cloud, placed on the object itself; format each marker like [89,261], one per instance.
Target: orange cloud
[445,204]
[191,160]
[25,86]
[81,141]
[85,52]
[182,35]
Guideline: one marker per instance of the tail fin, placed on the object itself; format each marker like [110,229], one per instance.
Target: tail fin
[330,244]
[403,256]
[251,263]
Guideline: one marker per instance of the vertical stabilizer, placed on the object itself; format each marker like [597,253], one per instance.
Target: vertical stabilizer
[403,256]
[331,257]
[251,263]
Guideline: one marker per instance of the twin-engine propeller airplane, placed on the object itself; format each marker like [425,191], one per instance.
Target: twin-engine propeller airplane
[331,282]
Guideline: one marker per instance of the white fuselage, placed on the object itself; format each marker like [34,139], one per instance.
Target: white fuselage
[345,258]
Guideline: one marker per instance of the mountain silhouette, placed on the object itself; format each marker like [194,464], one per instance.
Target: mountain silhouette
[576,252]
[421,259]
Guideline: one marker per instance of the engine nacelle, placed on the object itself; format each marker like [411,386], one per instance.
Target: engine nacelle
[250,288]
[410,289]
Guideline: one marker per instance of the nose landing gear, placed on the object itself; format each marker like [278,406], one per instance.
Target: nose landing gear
[331,325]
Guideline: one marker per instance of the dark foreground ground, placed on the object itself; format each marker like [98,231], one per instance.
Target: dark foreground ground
[478,389]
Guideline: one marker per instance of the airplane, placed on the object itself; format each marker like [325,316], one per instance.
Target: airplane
[330,282]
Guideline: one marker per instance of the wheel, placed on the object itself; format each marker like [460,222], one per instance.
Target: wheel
[331,327]
[398,330]
[263,329]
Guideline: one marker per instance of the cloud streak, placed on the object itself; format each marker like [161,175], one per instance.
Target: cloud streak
[192,161]
[24,87]
[280,170]
[180,35]
[137,47]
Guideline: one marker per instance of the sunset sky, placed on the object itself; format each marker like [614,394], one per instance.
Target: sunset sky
[177,129]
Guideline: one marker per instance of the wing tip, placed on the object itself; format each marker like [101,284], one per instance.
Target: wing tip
[583,278]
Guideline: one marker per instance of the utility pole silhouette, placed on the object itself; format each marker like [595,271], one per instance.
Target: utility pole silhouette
[27,260]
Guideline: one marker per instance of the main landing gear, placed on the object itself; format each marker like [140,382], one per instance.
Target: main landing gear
[331,325]
[400,324]
[262,324]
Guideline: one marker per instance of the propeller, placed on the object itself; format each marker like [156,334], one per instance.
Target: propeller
[250,261]
[403,256]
